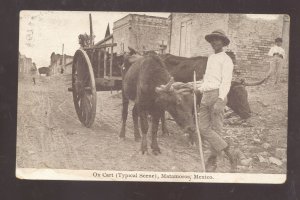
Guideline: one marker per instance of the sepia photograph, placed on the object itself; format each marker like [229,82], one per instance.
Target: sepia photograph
[152,96]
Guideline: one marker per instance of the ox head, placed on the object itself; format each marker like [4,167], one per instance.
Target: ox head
[178,104]
[128,58]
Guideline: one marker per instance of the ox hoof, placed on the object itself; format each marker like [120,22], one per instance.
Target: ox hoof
[122,133]
[210,168]
[144,150]
[122,138]
[156,151]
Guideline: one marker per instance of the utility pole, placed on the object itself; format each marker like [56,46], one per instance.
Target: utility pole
[63,59]
[91,31]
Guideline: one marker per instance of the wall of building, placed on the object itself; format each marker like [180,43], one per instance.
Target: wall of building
[251,40]
[201,25]
[68,65]
[121,33]
[56,63]
[148,33]
[25,64]
[68,68]
[141,32]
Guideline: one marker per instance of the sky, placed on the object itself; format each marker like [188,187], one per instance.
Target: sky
[44,32]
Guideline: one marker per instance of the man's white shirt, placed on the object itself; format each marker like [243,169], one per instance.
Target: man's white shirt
[276,49]
[218,74]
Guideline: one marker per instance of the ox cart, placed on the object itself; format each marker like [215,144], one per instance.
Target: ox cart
[95,68]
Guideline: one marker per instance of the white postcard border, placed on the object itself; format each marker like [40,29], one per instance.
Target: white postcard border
[145,176]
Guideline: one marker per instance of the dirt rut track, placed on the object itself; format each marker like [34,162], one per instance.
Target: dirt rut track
[49,134]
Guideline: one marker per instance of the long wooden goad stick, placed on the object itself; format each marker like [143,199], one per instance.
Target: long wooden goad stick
[197,125]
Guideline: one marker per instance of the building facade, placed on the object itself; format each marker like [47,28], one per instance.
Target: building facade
[250,38]
[59,62]
[141,32]
[107,40]
[25,64]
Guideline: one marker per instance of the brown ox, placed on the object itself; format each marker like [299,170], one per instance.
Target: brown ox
[182,69]
[148,83]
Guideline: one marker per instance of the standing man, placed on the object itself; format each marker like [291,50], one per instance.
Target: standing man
[277,55]
[33,71]
[215,87]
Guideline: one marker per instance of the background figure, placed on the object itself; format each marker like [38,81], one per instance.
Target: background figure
[277,59]
[33,72]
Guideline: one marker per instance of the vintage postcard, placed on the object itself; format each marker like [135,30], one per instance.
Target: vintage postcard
[158,97]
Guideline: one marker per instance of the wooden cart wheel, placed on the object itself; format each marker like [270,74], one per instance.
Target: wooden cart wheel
[84,88]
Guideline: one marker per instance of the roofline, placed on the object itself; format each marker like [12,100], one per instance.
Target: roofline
[61,55]
[131,14]
[104,40]
[149,16]
[121,18]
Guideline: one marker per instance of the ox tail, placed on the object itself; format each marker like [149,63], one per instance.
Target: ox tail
[258,82]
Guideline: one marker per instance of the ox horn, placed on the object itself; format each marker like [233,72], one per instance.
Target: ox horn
[169,84]
[133,51]
[165,87]
[257,82]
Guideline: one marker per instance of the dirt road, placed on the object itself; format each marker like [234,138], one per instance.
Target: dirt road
[50,135]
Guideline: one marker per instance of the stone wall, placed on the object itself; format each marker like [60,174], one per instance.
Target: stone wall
[121,34]
[251,40]
[141,32]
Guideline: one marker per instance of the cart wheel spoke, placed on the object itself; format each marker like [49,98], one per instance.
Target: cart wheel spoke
[84,88]
[81,110]
[87,109]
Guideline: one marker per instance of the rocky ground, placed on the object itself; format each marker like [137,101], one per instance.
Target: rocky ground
[49,134]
